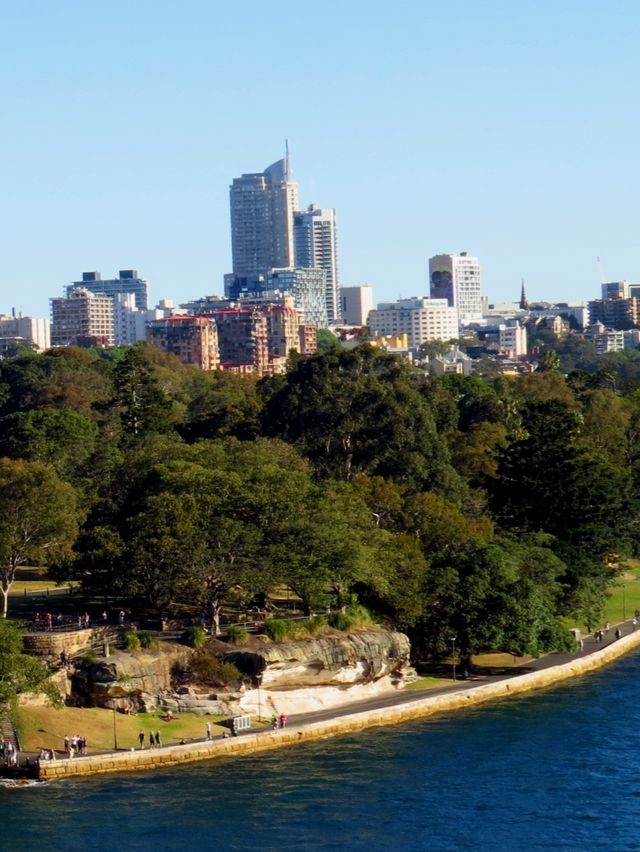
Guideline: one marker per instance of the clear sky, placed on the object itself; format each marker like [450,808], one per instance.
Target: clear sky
[506,129]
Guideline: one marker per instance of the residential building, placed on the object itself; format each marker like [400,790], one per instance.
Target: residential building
[512,340]
[316,247]
[615,312]
[452,362]
[83,318]
[243,335]
[606,339]
[128,281]
[423,319]
[193,340]
[306,286]
[262,206]
[456,278]
[32,331]
[355,304]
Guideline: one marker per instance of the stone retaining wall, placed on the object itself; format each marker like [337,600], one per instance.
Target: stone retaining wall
[72,641]
[269,739]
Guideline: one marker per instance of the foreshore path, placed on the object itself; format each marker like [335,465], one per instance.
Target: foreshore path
[404,696]
[401,706]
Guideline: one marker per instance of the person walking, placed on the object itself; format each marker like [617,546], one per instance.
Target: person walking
[157,738]
[208,730]
[141,739]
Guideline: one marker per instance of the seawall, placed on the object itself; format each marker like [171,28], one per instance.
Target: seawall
[357,721]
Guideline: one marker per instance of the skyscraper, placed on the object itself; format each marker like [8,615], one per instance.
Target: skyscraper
[456,278]
[316,246]
[262,206]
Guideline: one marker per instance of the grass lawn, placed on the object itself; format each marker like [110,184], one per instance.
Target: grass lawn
[623,599]
[429,682]
[45,727]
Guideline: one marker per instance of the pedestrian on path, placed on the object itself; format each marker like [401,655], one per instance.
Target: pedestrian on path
[618,634]
[141,739]
[208,730]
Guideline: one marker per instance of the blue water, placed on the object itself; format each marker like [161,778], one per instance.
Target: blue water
[556,770]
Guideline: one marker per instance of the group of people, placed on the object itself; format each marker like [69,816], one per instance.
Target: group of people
[75,745]
[154,739]
[279,721]
[8,753]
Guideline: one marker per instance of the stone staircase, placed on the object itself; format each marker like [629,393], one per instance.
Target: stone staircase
[7,732]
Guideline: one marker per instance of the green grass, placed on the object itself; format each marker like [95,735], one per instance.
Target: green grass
[45,727]
[429,682]
[623,599]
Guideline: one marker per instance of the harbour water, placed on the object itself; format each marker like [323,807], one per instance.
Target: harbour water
[557,770]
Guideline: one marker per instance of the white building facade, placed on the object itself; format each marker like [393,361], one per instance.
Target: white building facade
[355,304]
[35,331]
[456,278]
[316,246]
[512,340]
[422,319]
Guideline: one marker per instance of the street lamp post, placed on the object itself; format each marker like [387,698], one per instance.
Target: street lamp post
[115,732]
[453,655]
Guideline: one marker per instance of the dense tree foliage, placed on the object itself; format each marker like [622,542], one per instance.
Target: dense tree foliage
[477,507]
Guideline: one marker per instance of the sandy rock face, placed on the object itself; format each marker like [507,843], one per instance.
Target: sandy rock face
[129,680]
[355,658]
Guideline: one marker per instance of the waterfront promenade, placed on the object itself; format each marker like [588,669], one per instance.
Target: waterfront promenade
[395,708]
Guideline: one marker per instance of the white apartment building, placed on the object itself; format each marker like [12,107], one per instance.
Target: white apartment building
[512,339]
[33,330]
[422,319]
[316,246]
[355,304]
[456,278]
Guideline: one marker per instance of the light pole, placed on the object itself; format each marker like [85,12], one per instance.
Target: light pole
[115,732]
[453,655]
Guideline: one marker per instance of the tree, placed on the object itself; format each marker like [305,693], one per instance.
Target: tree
[358,412]
[18,672]
[39,519]
[143,405]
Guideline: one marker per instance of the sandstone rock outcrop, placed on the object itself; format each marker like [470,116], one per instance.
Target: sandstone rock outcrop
[330,660]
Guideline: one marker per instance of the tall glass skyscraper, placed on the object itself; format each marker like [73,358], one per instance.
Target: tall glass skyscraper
[262,207]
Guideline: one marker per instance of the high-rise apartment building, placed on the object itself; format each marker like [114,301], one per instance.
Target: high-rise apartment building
[262,207]
[316,246]
[128,281]
[456,278]
[422,319]
[194,340]
[355,304]
[82,319]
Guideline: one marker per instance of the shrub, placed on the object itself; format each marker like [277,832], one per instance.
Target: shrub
[237,635]
[147,639]
[277,629]
[132,642]
[90,658]
[355,617]
[195,637]
[339,621]
[210,671]
[315,625]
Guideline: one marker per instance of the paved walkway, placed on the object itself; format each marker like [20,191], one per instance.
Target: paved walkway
[591,645]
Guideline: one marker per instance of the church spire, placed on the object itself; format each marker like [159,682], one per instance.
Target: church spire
[524,302]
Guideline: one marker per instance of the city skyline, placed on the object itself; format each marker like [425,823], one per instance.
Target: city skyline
[505,132]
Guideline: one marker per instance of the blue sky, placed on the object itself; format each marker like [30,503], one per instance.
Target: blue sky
[509,130]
